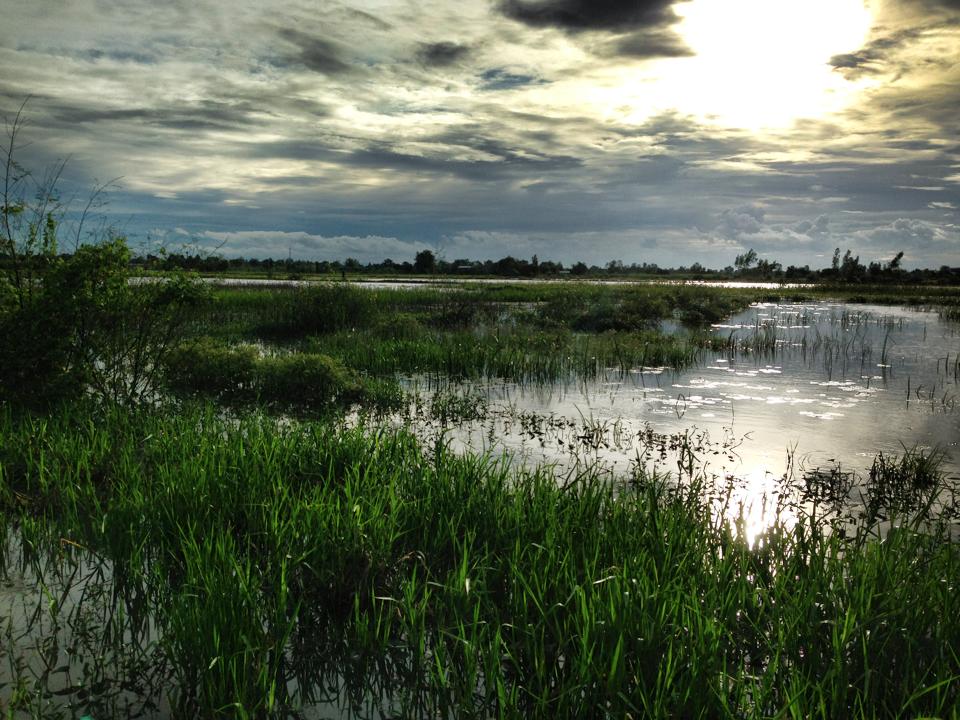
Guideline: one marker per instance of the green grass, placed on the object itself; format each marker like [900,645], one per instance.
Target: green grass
[536,333]
[240,375]
[527,332]
[277,560]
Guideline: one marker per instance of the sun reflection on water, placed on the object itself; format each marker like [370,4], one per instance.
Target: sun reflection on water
[756,503]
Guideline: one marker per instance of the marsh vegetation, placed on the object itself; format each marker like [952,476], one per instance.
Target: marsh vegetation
[498,500]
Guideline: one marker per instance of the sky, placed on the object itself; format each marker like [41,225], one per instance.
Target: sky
[661,131]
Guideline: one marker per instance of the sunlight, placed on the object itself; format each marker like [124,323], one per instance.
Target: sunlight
[761,63]
[758,64]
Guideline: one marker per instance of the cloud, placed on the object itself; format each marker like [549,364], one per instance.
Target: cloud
[917,237]
[639,29]
[818,228]
[877,56]
[120,55]
[507,127]
[744,220]
[205,115]
[645,45]
[442,54]
[316,53]
[307,246]
[580,15]
[926,242]
[945,5]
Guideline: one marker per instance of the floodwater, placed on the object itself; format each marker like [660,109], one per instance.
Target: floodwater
[818,388]
[375,283]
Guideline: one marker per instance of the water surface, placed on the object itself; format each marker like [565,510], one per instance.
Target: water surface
[816,387]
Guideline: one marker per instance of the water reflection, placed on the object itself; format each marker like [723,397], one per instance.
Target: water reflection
[810,388]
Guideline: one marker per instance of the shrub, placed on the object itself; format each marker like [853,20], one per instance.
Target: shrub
[75,323]
[307,380]
[85,328]
[237,374]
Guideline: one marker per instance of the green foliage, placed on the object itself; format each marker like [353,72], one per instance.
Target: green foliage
[306,379]
[205,367]
[86,328]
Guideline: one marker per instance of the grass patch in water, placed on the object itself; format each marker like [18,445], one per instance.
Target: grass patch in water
[278,561]
[303,380]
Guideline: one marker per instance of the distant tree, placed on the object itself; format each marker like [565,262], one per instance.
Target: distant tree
[425,262]
[894,264]
[744,262]
[510,266]
[768,268]
[579,268]
[850,267]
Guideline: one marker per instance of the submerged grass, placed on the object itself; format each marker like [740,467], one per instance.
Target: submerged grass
[285,565]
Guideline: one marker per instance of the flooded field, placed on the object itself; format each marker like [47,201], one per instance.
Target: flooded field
[815,388]
[774,504]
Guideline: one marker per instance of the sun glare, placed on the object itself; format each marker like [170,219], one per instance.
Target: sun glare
[761,63]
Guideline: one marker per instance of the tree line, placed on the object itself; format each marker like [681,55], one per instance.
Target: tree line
[845,267]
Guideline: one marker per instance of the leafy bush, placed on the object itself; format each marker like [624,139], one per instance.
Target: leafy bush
[206,368]
[74,324]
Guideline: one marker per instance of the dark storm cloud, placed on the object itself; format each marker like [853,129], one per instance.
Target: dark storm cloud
[640,28]
[581,15]
[316,53]
[874,57]
[950,5]
[132,56]
[442,54]
[507,161]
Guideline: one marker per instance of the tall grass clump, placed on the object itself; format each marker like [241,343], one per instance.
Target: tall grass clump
[240,374]
[275,561]
[320,309]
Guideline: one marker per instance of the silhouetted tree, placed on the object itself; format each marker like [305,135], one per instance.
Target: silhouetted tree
[744,262]
[425,262]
